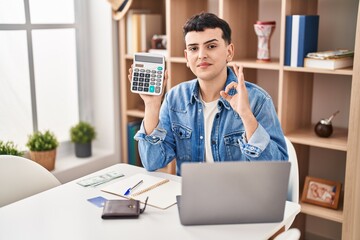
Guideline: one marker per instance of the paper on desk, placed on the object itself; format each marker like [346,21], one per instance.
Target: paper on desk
[161,196]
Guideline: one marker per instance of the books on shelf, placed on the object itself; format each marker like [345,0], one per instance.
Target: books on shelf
[133,153]
[162,192]
[141,25]
[301,37]
[330,63]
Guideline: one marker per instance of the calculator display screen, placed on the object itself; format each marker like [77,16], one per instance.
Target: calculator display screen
[148,59]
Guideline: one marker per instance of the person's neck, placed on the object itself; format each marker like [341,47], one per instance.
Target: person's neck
[210,89]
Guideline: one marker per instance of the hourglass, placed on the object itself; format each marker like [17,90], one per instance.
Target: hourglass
[264,30]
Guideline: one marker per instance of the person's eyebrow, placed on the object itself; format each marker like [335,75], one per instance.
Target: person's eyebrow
[208,41]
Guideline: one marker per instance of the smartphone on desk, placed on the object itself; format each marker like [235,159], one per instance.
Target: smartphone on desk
[148,73]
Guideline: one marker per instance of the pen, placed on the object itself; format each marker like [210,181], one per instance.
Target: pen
[132,188]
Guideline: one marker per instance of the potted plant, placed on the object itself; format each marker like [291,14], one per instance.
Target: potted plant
[9,148]
[82,135]
[42,146]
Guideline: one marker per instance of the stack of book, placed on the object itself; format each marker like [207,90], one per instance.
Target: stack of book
[332,59]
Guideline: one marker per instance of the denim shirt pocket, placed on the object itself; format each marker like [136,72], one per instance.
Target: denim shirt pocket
[183,141]
[232,145]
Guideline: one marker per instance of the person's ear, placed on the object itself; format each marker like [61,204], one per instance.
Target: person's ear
[230,52]
[185,54]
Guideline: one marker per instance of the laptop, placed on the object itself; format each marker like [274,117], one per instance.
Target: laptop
[233,192]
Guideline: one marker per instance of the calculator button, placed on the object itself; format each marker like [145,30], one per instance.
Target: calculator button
[152,89]
[141,84]
[146,89]
[153,75]
[142,74]
[158,79]
[159,72]
[147,80]
[135,83]
[142,70]
[159,68]
[136,69]
[134,88]
[158,84]
[159,76]
[147,75]
[136,79]
[146,85]
[153,71]
[147,70]
[140,88]
[157,89]
[136,74]
[141,79]
[152,83]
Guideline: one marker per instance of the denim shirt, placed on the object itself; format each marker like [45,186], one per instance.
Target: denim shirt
[180,131]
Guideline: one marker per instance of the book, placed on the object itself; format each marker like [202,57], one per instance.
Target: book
[133,153]
[330,54]
[301,37]
[162,192]
[130,28]
[331,63]
[141,27]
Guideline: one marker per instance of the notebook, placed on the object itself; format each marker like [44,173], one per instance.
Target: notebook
[162,192]
[233,192]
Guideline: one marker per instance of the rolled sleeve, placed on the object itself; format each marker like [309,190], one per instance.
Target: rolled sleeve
[256,144]
[157,136]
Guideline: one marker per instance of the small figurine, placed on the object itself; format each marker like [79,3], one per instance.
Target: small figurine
[324,127]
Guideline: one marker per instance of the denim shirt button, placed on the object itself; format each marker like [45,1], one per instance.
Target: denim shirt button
[201,137]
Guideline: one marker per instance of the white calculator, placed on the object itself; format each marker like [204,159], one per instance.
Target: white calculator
[148,73]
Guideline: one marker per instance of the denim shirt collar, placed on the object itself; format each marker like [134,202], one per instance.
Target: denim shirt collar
[195,96]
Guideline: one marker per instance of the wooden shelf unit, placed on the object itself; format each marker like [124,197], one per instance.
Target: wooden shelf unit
[294,86]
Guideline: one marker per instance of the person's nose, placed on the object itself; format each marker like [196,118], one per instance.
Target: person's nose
[202,53]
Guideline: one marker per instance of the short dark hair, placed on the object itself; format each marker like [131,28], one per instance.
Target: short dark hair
[202,21]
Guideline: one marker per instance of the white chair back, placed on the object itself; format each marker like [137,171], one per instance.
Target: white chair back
[293,188]
[21,178]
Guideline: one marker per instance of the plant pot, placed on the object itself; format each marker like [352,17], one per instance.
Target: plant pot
[83,150]
[44,158]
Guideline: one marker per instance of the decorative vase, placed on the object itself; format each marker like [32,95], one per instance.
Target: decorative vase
[324,127]
[264,30]
[83,150]
[44,158]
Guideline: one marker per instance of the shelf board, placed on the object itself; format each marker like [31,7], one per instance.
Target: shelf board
[135,113]
[307,136]
[252,63]
[322,212]
[177,59]
[344,71]
[129,57]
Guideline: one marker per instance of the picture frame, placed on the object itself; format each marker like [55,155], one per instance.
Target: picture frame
[321,192]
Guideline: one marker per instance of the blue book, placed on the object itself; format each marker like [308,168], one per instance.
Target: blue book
[133,155]
[288,30]
[301,37]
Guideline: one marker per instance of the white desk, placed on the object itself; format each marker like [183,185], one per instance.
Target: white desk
[64,213]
